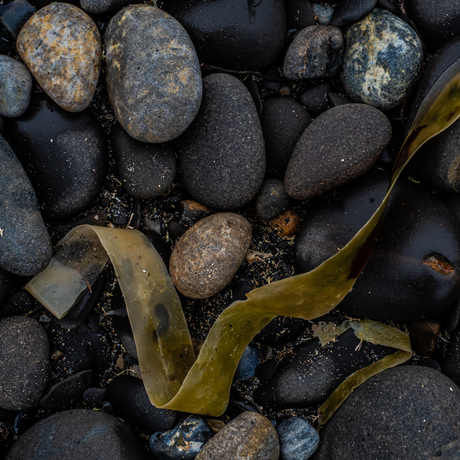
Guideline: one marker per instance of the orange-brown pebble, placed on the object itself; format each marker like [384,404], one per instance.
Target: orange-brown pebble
[61,46]
[423,336]
[286,224]
[209,253]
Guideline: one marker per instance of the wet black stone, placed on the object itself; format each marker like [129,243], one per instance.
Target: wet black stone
[315,53]
[94,396]
[451,317]
[26,247]
[15,15]
[24,362]
[233,34]
[64,154]
[437,22]
[413,270]
[79,434]
[338,99]
[272,199]
[131,402]
[405,412]
[339,146]
[314,371]
[146,170]
[222,156]
[299,14]
[64,394]
[350,11]
[283,122]
[266,370]
[315,99]
[8,283]
[281,330]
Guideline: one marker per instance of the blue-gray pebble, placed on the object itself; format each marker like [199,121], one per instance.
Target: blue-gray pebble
[222,154]
[15,87]
[383,58]
[298,439]
[26,247]
[153,73]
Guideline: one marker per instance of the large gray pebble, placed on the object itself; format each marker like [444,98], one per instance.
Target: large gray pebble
[337,147]
[15,87]
[409,412]
[222,155]
[25,244]
[382,59]
[250,436]
[76,435]
[24,362]
[153,74]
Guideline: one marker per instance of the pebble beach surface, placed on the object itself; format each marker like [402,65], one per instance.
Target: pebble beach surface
[249,141]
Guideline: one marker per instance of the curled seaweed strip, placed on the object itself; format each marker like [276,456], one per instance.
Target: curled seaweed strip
[172,377]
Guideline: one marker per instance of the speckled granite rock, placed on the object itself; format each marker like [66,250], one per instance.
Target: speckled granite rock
[337,147]
[24,362]
[222,155]
[26,247]
[382,59]
[153,75]
[61,46]
[15,87]
[209,253]
[250,436]
[315,53]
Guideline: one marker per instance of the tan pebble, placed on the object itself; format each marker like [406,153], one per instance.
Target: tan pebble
[61,46]
[250,436]
[286,224]
[209,253]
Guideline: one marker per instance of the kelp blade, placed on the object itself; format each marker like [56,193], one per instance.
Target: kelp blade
[203,386]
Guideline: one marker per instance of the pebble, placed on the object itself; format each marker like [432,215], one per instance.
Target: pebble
[283,122]
[98,7]
[350,11]
[222,155]
[26,247]
[77,434]
[383,58]
[247,365]
[155,89]
[146,170]
[14,15]
[24,362]
[315,53]
[61,46]
[299,14]
[323,13]
[94,396]
[233,34]
[15,87]
[184,441]
[208,255]
[314,372]
[315,98]
[337,147]
[65,155]
[436,22]
[130,401]
[298,439]
[411,274]
[272,199]
[250,436]
[405,412]
[286,224]
[424,334]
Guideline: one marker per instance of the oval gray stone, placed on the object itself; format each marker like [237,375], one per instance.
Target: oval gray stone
[382,59]
[222,155]
[153,74]
[250,436]
[337,147]
[25,244]
[24,362]
[15,87]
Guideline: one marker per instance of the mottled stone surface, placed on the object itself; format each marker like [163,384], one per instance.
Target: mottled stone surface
[208,255]
[409,412]
[24,362]
[250,436]
[79,434]
[153,75]
[337,147]
[103,6]
[298,439]
[25,244]
[61,46]
[222,155]
[15,87]
[315,53]
[382,59]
